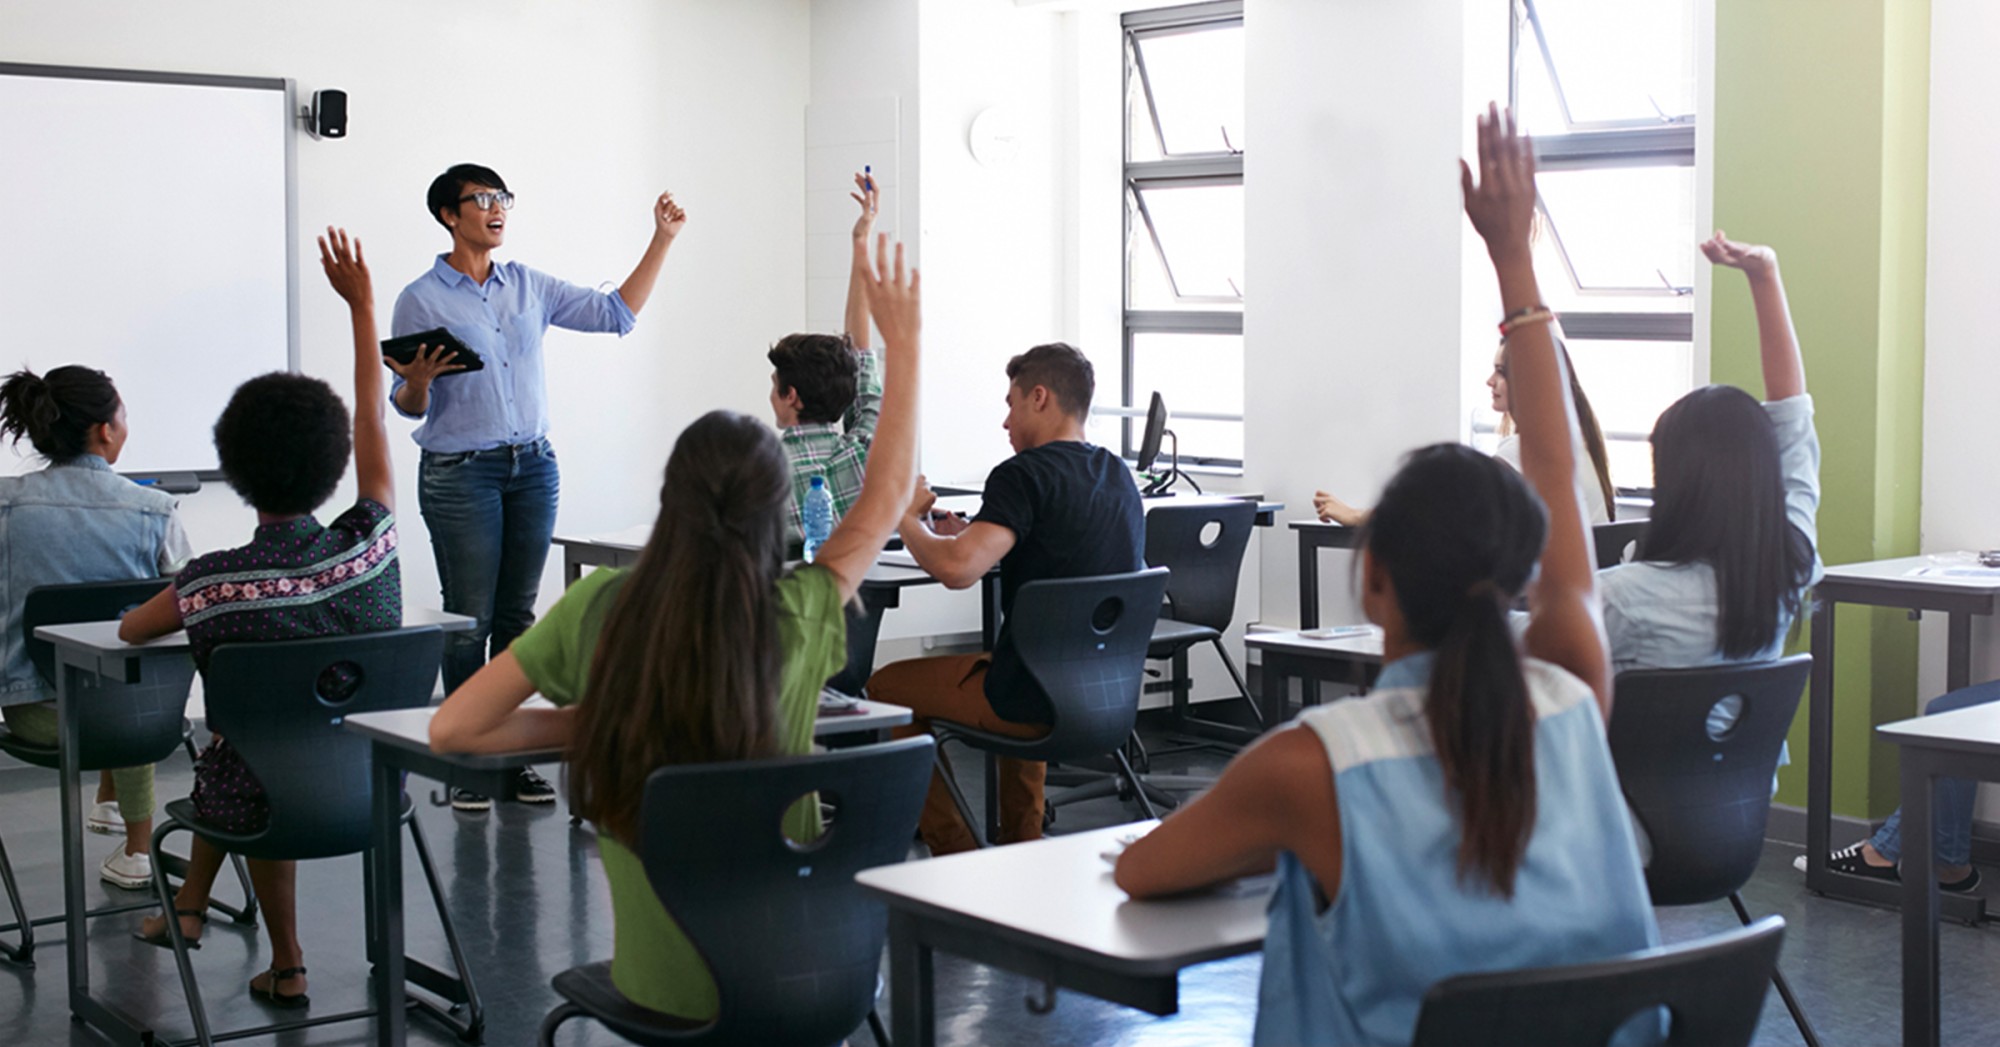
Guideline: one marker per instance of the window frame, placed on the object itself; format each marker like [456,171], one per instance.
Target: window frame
[1596,146]
[1211,314]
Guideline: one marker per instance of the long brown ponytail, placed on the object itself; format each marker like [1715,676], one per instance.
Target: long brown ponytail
[687,662]
[1459,534]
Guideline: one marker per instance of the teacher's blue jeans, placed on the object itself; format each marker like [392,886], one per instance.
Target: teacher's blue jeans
[491,516]
[1951,798]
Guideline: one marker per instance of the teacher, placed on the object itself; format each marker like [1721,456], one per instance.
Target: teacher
[488,481]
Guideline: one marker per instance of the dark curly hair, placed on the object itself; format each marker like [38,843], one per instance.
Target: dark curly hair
[448,187]
[56,411]
[822,368]
[284,441]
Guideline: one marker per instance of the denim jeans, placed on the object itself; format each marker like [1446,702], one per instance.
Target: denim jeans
[491,516]
[1951,802]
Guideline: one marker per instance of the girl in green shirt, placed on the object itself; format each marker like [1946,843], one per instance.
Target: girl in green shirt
[709,649]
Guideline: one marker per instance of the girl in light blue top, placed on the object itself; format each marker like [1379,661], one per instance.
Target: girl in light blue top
[1730,548]
[77,521]
[1465,815]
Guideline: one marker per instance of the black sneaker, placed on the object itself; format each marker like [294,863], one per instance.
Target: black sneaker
[467,800]
[1968,885]
[533,788]
[1848,860]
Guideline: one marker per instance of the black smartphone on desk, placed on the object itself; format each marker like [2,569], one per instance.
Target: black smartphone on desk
[403,350]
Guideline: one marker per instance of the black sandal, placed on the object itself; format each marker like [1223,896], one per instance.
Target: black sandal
[165,938]
[275,998]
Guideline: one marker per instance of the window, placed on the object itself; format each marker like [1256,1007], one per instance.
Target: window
[1184,228]
[1608,92]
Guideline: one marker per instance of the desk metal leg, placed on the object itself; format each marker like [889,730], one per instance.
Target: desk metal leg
[1920,905]
[385,905]
[912,999]
[68,739]
[1819,750]
[572,569]
[1958,653]
[1308,583]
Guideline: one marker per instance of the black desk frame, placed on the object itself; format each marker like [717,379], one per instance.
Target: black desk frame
[1958,602]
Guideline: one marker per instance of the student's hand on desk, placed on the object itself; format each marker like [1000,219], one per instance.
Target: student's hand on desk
[868,198]
[668,217]
[426,365]
[1333,510]
[894,296]
[346,270]
[1754,259]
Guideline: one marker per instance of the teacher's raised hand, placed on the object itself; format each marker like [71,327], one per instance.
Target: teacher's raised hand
[668,216]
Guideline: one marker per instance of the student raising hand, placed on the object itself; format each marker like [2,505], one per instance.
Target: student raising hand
[347,270]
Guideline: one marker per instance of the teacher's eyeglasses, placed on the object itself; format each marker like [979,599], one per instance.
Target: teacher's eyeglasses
[485,200]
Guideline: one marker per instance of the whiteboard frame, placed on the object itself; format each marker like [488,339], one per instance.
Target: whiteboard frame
[178,480]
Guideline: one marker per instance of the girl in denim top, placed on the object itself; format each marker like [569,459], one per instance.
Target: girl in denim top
[1465,815]
[77,521]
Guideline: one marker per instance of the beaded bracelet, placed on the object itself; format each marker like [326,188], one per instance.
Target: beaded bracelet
[1534,314]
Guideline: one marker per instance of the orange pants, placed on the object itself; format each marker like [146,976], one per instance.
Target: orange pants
[954,688]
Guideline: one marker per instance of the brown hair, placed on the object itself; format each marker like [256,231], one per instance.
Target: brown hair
[1586,421]
[822,369]
[687,664]
[1060,368]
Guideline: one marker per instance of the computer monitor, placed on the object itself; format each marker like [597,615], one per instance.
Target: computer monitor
[1156,427]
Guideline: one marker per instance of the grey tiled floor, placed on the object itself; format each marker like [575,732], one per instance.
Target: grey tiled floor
[530,901]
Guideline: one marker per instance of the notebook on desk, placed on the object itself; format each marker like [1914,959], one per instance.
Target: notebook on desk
[897,558]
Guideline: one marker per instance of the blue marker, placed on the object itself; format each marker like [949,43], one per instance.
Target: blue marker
[867,176]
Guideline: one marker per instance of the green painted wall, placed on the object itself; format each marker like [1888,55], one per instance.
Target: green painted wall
[1821,132]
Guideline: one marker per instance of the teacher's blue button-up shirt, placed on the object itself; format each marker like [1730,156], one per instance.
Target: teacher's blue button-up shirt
[503,321]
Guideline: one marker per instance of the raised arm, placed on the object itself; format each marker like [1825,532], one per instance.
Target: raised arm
[1777,343]
[347,271]
[895,301]
[668,218]
[1565,627]
[857,288]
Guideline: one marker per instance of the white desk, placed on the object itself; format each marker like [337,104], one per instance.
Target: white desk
[1290,655]
[1050,910]
[1960,744]
[1881,583]
[83,650]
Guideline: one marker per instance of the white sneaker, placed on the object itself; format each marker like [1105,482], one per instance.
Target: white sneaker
[105,819]
[134,872]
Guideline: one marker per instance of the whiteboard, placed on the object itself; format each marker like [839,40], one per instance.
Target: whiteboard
[146,231]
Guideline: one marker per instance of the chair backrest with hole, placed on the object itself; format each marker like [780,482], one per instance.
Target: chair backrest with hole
[124,724]
[1203,587]
[1611,539]
[1698,777]
[1084,640]
[793,944]
[281,705]
[1712,990]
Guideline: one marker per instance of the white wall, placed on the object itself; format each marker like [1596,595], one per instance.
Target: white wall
[589,110]
[1961,500]
[1353,251]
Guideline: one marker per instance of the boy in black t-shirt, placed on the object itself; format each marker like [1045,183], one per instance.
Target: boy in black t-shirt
[1060,508]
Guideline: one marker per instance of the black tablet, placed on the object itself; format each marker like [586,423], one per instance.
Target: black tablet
[404,350]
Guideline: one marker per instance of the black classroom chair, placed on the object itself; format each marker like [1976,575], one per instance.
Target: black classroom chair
[794,945]
[280,704]
[1712,989]
[1702,798]
[1201,595]
[1610,540]
[1084,640]
[150,723]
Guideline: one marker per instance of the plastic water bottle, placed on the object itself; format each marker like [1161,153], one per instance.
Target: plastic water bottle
[818,512]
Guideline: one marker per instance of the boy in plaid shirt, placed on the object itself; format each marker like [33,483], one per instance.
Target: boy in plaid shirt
[826,391]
